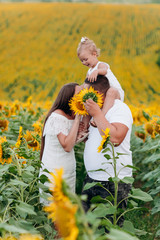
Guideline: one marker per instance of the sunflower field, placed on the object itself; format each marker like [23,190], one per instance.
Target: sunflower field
[39,41]
[38,46]
[22,216]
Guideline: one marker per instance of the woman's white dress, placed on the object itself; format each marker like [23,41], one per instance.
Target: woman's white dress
[54,156]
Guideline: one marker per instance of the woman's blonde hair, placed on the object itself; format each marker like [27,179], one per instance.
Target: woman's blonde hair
[88,44]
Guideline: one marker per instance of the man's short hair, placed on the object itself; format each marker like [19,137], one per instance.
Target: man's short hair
[101,84]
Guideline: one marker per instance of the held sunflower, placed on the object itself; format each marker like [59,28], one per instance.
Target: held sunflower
[77,102]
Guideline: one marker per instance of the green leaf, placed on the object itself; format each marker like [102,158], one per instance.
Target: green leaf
[89,185]
[130,166]
[23,209]
[128,226]
[116,234]
[22,224]
[4,168]
[139,194]
[42,186]
[102,210]
[30,168]
[156,208]
[106,150]
[140,232]
[98,199]
[48,228]
[107,156]
[146,115]
[128,180]
[18,182]
[27,176]
[122,154]
[12,228]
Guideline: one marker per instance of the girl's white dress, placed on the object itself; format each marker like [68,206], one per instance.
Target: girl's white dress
[111,78]
[54,156]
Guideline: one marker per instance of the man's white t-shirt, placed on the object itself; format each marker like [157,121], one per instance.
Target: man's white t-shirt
[111,78]
[119,113]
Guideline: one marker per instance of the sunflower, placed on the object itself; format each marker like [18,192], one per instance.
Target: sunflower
[31,139]
[30,237]
[105,139]
[141,135]
[77,102]
[4,124]
[20,137]
[156,122]
[77,106]
[8,238]
[61,210]
[149,128]
[15,107]
[5,156]
[157,127]
[37,127]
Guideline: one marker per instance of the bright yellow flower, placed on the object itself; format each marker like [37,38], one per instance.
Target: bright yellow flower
[76,103]
[61,210]
[149,128]
[156,123]
[31,140]
[30,237]
[77,106]
[105,138]
[141,135]
[19,140]
[4,124]
[38,127]
[5,156]
[86,93]
[8,238]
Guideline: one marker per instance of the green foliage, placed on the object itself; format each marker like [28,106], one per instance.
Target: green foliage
[21,210]
[158,61]
[146,156]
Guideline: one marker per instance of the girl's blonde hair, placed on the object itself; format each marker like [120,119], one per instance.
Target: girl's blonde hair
[88,44]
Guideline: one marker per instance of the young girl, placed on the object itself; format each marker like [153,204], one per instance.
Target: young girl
[88,54]
[59,136]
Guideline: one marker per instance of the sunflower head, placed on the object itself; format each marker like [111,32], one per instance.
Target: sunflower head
[105,139]
[30,237]
[77,102]
[31,138]
[5,154]
[4,124]
[149,128]
[61,209]
[77,106]
[141,135]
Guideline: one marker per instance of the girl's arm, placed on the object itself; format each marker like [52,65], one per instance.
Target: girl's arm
[68,141]
[102,70]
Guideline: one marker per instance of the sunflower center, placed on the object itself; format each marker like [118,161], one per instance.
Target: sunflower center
[79,105]
[90,95]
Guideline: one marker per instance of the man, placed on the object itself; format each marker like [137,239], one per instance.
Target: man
[119,120]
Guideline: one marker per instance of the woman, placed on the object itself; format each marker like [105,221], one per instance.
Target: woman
[59,136]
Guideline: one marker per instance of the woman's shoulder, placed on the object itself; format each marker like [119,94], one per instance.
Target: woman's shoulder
[61,114]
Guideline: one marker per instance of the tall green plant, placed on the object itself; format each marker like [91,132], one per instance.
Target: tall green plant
[110,205]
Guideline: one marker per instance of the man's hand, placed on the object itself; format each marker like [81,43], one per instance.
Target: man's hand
[92,107]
